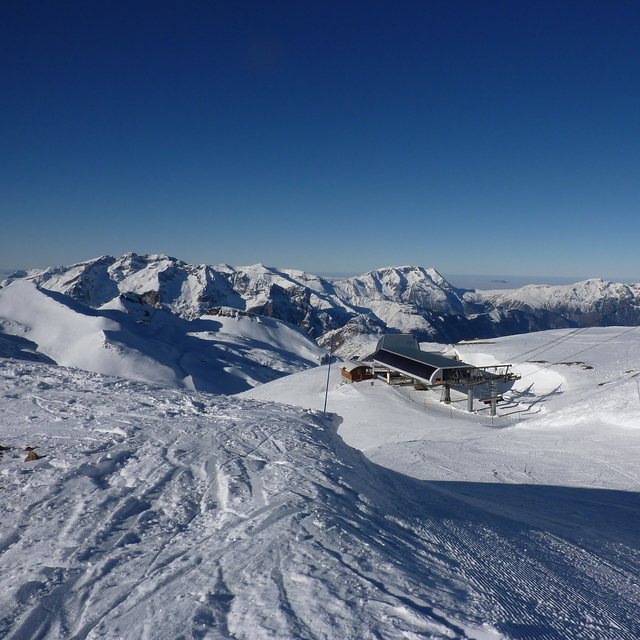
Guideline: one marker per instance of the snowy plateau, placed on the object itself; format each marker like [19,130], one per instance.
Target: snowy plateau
[167,470]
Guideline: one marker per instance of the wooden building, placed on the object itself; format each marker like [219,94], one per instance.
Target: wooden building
[355,371]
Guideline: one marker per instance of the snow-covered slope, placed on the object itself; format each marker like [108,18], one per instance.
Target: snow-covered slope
[226,351]
[572,419]
[156,512]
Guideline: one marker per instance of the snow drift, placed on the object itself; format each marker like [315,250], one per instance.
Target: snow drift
[224,352]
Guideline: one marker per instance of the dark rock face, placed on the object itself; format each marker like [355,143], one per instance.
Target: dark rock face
[407,299]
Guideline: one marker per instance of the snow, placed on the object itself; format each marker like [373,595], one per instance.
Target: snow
[156,512]
[573,419]
[225,353]
[159,512]
[592,299]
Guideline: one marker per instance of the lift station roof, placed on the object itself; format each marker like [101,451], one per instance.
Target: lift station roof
[401,352]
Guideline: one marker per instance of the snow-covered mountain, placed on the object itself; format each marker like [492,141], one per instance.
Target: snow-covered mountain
[224,351]
[592,302]
[189,291]
[353,311]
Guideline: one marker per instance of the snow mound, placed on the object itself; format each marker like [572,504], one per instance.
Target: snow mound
[226,352]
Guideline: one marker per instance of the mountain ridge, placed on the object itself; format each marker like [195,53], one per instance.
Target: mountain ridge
[348,312]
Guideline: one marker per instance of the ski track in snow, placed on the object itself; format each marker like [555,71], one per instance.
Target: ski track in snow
[160,513]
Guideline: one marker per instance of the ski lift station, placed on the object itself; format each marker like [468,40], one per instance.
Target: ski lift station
[399,357]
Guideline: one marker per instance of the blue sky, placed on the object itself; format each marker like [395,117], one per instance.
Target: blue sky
[476,137]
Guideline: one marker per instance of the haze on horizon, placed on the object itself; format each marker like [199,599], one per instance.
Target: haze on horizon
[474,138]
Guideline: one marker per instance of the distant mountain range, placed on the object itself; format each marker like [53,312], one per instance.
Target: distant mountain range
[351,312]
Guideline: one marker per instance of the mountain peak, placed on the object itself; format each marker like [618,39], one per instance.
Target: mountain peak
[397,298]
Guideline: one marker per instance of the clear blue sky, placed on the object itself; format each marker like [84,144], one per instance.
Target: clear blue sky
[473,136]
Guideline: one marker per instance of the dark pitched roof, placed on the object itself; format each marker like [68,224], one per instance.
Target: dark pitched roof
[405,345]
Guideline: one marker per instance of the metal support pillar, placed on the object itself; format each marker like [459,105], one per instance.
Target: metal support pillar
[470,399]
[447,394]
[493,390]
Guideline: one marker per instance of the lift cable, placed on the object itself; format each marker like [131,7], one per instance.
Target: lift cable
[577,353]
[536,351]
[539,350]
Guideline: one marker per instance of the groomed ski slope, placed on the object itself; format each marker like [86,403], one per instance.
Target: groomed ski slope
[559,462]
[156,512]
[159,513]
